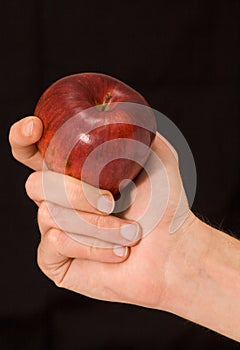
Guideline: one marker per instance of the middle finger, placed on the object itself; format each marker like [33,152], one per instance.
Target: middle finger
[104,228]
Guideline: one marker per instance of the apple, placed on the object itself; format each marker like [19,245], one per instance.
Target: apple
[93,129]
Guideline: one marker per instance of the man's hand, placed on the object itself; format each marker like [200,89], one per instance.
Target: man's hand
[154,253]
[81,243]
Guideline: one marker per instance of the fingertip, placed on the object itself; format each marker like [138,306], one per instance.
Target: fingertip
[121,252]
[26,131]
[101,200]
[32,127]
[105,203]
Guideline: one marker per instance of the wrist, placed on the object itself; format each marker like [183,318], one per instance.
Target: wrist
[185,265]
[204,279]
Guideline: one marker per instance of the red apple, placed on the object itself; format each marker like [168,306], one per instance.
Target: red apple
[94,126]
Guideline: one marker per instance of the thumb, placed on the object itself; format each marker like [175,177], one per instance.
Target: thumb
[23,136]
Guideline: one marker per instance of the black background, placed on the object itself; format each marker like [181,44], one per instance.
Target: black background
[184,57]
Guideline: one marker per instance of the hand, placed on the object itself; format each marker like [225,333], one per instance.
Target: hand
[23,137]
[180,264]
[93,270]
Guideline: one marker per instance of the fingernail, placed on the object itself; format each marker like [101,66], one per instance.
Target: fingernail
[28,128]
[105,204]
[130,232]
[120,251]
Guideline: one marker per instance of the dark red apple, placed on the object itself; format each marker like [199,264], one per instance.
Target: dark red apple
[96,128]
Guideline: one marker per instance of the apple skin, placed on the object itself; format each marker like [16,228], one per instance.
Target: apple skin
[105,118]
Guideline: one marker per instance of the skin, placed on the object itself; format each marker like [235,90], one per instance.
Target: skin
[191,271]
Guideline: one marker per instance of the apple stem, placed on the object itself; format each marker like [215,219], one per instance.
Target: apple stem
[106,101]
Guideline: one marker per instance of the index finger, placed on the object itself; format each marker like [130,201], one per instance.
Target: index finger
[23,136]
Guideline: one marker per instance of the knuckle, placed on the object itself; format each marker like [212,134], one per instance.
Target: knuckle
[55,270]
[15,154]
[92,248]
[52,271]
[99,221]
[11,134]
[72,185]
[41,262]
[105,227]
[29,184]
[43,209]
[43,212]
[73,194]
[53,238]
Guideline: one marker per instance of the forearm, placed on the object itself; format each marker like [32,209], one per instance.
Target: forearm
[207,289]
